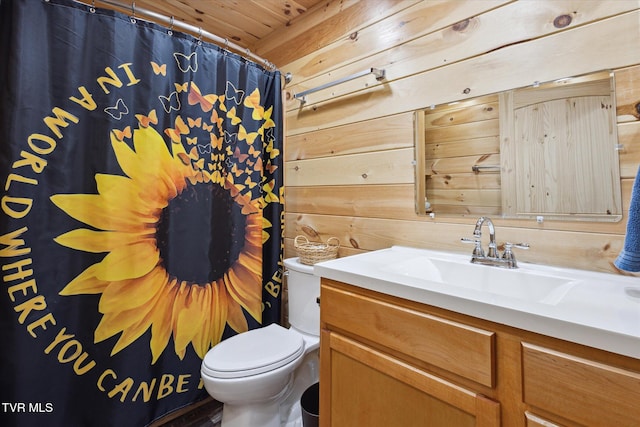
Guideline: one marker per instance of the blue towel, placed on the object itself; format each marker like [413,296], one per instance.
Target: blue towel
[629,257]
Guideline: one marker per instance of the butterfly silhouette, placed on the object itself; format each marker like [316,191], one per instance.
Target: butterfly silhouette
[206,101]
[159,69]
[239,155]
[193,153]
[194,123]
[216,119]
[146,120]
[217,177]
[231,115]
[269,195]
[273,152]
[122,134]
[186,63]
[118,110]
[204,148]
[249,183]
[216,141]
[236,171]
[243,135]
[271,167]
[233,188]
[171,102]
[254,153]
[184,158]
[180,128]
[192,141]
[230,138]
[195,179]
[207,127]
[181,87]
[253,101]
[266,116]
[232,93]
[258,166]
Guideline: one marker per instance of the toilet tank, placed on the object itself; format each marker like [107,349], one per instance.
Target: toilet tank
[303,291]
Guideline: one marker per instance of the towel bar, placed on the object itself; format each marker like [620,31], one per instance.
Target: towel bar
[378,72]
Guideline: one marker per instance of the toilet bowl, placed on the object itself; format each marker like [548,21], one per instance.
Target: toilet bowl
[260,375]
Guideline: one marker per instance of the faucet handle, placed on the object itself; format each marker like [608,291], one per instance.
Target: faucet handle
[509,245]
[477,250]
[508,254]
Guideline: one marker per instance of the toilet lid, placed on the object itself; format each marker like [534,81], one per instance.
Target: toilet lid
[253,352]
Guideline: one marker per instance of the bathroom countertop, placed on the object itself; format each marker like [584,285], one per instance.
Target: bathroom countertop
[601,310]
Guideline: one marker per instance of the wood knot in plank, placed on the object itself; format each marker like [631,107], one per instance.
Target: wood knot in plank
[460,26]
[309,231]
[562,21]
[354,36]
[354,243]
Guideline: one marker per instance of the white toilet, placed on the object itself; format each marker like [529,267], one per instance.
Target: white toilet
[261,374]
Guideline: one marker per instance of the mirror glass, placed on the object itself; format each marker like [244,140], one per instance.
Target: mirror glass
[549,151]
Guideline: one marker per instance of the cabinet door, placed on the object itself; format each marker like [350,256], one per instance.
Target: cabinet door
[361,386]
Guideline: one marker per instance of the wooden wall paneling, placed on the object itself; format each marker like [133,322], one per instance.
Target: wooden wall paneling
[384,133]
[332,20]
[397,28]
[462,164]
[393,201]
[396,202]
[466,130]
[579,48]
[463,36]
[475,146]
[485,200]
[454,181]
[471,111]
[562,248]
[600,45]
[382,167]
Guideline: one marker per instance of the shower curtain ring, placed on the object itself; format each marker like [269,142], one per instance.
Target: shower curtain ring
[133,12]
[170,32]
[92,9]
[199,35]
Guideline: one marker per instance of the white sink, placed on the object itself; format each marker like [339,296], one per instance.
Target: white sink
[512,283]
[601,310]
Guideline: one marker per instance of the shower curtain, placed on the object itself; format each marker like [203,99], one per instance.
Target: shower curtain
[141,212]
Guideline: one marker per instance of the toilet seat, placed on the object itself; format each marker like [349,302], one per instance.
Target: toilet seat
[253,352]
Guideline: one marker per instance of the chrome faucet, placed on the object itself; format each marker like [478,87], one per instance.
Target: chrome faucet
[492,257]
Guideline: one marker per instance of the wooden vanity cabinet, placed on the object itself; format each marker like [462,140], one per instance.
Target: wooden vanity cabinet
[386,361]
[373,360]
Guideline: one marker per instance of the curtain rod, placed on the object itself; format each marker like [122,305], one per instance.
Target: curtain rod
[226,44]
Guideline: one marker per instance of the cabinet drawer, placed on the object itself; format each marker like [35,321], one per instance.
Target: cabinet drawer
[581,390]
[463,350]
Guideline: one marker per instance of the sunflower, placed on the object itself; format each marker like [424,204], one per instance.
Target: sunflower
[140,287]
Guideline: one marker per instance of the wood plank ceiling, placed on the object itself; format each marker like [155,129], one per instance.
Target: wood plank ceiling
[244,22]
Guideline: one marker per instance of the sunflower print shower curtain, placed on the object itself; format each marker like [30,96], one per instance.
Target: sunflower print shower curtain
[141,217]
